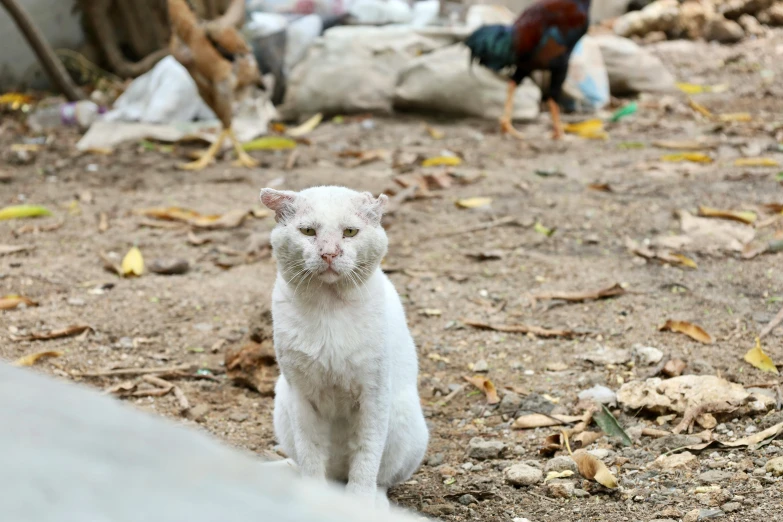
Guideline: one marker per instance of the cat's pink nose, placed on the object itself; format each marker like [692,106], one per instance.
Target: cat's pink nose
[328,258]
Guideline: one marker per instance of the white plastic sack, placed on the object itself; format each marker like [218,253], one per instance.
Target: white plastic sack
[165,94]
[586,88]
[441,81]
[632,69]
[380,12]
[353,69]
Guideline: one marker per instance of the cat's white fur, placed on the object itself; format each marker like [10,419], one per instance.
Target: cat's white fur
[346,403]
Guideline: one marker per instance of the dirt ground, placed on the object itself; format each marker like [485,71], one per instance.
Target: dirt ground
[192,319]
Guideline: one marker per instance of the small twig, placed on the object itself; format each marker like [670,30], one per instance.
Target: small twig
[137,371]
[157,381]
[507,220]
[652,432]
[447,399]
[291,161]
[772,324]
[542,497]
[184,405]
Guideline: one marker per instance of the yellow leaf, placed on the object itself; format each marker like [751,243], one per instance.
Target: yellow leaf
[692,88]
[15,99]
[23,211]
[485,385]
[10,302]
[746,217]
[590,129]
[552,475]
[133,263]
[434,133]
[735,116]
[695,157]
[685,261]
[31,359]
[593,469]
[759,359]
[270,143]
[539,420]
[756,162]
[473,202]
[691,330]
[441,161]
[701,109]
[306,127]
[541,229]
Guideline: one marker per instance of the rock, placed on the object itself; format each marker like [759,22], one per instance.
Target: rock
[481,449]
[253,366]
[715,476]
[633,69]
[677,461]
[519,519]
[671,442]
[674,368]
[561,464]
[239,416]
[731,507]
[733,9]
[467,499]
[775,466]
[646,355]
[126,343]
[76,301]
[604,355]
[536,403]
[600,453]
[719,29]
[510,403]
[670,512]
[600,394]
[446,471]
[691,516]
[709,514]
[693,17]
[198,412]
[560,488]
[774,14]
[751,25]
[169,266]
[662,15]
[439,510]
[481,366]
[523,475]
[436,460]
[581,493]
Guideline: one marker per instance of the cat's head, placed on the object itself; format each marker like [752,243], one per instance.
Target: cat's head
[328,234]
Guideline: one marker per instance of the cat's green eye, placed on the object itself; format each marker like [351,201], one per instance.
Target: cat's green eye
[307,231]
[350,232]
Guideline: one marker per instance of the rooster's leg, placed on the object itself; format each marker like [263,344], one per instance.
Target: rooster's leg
[508,110]
[207,157]
[243,158]
[557,131]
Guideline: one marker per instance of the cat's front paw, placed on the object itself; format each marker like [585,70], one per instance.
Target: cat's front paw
[361,490]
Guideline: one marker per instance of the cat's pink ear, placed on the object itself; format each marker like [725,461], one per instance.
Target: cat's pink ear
[281,201]
[373,208]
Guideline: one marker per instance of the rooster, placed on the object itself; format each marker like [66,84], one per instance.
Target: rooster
[222,65]
[540,39]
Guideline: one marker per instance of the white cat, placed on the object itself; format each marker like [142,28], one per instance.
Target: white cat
[346,403]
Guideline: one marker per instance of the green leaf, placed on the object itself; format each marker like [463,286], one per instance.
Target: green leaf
[779,176]
[622,112]
[610,426]
[625,145]
[270,143]
[23,211]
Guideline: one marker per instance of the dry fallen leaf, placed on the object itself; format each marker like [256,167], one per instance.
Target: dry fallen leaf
[695,157]
[600,187]
[473,202]
[756,162]
[365,156]
[230,219]
[691,330]
[539,420]
[10,302]
[660,255]
[442,161]
[14,249]
[701,109]
[519,328]
[593,469]
[31,359]
[552,475]
[759,359]
[683,144]
[589,129]
[195,240]
[735,116]
[69,331]
[132,263]
[434,133]
[486,386]
[746,217]
[587,437]
[589,295]
[269,143]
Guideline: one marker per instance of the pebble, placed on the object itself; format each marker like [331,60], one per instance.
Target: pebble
[536,403]
[561,464]
[600,394]
[439,509]
[510,403]
[731,507]
[713,476]
[581,493]
[446,471]
[76,301]
[677,461]
[518,519]
[481,449]
[203,327]
[646,355]
[467,466]
[775,466]
[709,514]
[198,412]
[481,366]
[436,460]
[721,30]
[560,488]
[126,342]
[759,472]
[169,266]
[467,499]
[600,453]
[238,416]
[523,475]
